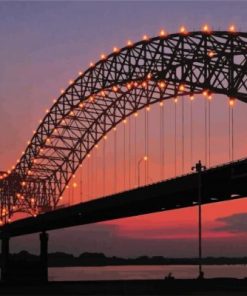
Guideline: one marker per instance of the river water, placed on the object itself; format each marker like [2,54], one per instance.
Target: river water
[144,272]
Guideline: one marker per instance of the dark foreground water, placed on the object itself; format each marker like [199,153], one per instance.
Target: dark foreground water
[144,272]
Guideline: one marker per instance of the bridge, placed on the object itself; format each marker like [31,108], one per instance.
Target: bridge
[127,82]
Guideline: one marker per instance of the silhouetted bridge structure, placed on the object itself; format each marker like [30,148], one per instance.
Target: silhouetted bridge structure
[116,87]
[222,183]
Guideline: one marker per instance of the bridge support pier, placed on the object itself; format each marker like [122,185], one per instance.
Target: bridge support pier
[44,255]
[5,257]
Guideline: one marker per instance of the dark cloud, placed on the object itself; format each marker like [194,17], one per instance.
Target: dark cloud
[236,223]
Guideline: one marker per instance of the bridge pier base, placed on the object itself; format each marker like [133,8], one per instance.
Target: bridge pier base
[44,237]
[5,257]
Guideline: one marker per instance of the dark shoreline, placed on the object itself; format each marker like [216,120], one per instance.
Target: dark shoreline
[218,286]
[60,259]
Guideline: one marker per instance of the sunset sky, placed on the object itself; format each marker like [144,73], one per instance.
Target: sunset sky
[44,45]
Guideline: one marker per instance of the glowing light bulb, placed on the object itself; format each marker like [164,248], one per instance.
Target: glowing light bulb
[181,87]
[129,43]
[103,56]
[161,104]
[60,197]
[175,100]
[145,37]
[54,101]
[205,93]
[91,64]
[80,73]
[148,108]
[115,129]
[206,29]
[211,53]
[23,183]
[149,76]
[210,97]
[71,82]
[136,114]
[47,111]
[144,84]
[232,29]
[88,155]
[74,176]
[125,121]
[191,97]
[145,158]
[91,98]
[115,49]
[81,105]
[129,86]
[162,33]
[62,91]
[115,88]
[102,93]
[183,30]
[231,102]
[162,84]
[105,137]
[74,185]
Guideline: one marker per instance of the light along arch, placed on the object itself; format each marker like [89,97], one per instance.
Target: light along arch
[115,87]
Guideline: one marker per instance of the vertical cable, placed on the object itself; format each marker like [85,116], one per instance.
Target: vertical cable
[124,155]
[135,151]
[88,179]
[129,142]
[191,131]
[145,143]
[232,114]
[96,171]
[81,182]
[104,176]
[205,132]
[182,130]
[229,132]
[115,159]
[162,161]
[209,132]
[147,162]
[175,136]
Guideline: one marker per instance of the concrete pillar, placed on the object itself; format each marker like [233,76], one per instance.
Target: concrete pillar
[44,254]
[5,257]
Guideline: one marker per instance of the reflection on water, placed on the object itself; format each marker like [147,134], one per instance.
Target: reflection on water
[144,272]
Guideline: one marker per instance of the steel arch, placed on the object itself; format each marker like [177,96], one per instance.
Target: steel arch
[109,91]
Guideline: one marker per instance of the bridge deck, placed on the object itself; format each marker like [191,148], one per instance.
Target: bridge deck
[221,183]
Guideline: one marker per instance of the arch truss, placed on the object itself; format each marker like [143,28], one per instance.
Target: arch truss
[114,88]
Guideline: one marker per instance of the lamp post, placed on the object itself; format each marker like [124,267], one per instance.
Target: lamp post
[145,158]
[199,168]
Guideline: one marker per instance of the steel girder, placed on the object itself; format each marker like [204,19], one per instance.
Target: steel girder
[111,90]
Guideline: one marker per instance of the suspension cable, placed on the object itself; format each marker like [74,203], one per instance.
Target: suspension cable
[115,159]
[104,176]
[88,179]
[232,134]
[124,154]
[135,151]
[129,142]
[206,131]
[175,136]
[191,130]
[209,131]
[231,129]
[81,177]
[182,130]
[148,158]
[162,161]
